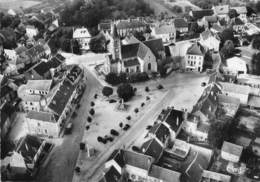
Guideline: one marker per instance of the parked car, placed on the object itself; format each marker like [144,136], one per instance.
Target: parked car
[126,127]
[101,140]
[68,128]
[114,132]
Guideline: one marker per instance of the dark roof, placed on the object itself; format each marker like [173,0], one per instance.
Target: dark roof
[238,21]
[61,97]
[156,46]
[28,146]
[118,157]
[128,24]
[201,13]
[112,175]
[60,57]
[175,119]
[35,51]
[180,23]
[196,49]
[131,62]
[160,131]
[114,32]
[74,73]
[104,26]
[152,148]
[129,50]
[138,160]
[42,68]
[41,116]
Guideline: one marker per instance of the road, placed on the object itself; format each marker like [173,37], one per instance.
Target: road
[63,158]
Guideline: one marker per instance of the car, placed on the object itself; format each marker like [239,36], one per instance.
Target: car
[126,127]
[135,148]
[68,128]
[114,132]
[203,84]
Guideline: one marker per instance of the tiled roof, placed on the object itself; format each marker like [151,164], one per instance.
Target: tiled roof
[128,24]
[232,148]
[43,85]
[175,119]
[42,68]
[138,160]
[156,46]
[74,73]
[211,19]
[112,175]
[240,9]
[206,34]
[180,23]
[217,27]
[81,33]
[105,26]
[221,9]
[160,131]
[164,174]
[61,97]
[152,148]
[201,13]
[28,146]
[196,49]
[40,116]
[60,57]
[117,155]
[235,88]
[130,50]
[164,29]
[131,62]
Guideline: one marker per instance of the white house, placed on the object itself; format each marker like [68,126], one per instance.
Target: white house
[42,124]
[209,40]
[221,11]
[31,31]
[83,36]
[194,58]
[238,91]
[130,58]
[197,129]
[235,66]
[166,32]
[242,11]
[231,152]
[38,87]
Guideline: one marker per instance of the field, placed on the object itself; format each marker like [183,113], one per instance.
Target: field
[17,4]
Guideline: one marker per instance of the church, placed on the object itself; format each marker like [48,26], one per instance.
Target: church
[133,57]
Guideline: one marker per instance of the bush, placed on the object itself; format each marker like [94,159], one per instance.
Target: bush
[87,127]
[107,91]
[95,96]
[112,78]
[77,169]
[128,117]
[160,87]
[142,105]
[125,91]
[136,110]
[92,112]
[138,77]
[147,89]
[92,104]
[121,125]
[148,98]
[89,119]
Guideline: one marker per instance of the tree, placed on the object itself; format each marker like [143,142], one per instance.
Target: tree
[92,103]
[136,110]
[112,78]
[256,63]
[92,112]
[107,91]
[128,118]
[228,49]
[227,34]
[177,9]
[232,13]
[125,91]
[139,36]
[256,42]
[195,28]
[98,44]
[142,105]
[89,119]
[121,125]
[217,133]
[147,89]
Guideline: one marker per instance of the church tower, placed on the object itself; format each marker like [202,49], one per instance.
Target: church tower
[115,44]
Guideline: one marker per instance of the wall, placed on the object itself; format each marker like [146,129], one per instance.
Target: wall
[43,128]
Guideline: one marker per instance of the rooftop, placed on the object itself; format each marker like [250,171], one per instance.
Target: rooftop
[42,85]
[164,174]
[213,176]
[180,23]
[81,33]
[240,9]
[160,131]
[201,13]
[232,148]
[152,148]
[130,23]
[138,160]
[164,29]
[196,49]
[156,46]
[235,88]
[221,9]
[41,116]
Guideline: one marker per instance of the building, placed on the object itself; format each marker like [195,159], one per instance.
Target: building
[238,25]
[7,115]
[240,92]
[153,148]
[181,25]
[231,152]
[197,129]
[165,32]
[242,11]
[256,146]
[214,176]
[221,11]
[216,28]
[209,40]
[250,80]
[31,31]
[235,66]
[38,87]
[200,14]
[130,58]
[161,132]
[42,124]
[83,36]
[208,21]
[194,58]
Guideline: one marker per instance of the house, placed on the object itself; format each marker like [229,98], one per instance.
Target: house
[111,175]
[231,152]
[158,173]
[38,87]
[165,32]
[126,27]
[216,28]
[83,36]
[75,74]
[242,11]
[8,91]
[238,25]
[209,21]
[237,91]
[221,11]
[248,79]
[42,124]
[161,131]
[153,148]
[33,150]
[181,25]
[209,40]
[256,146]
[194,58]
[197,128]
[200,14]
[235,66]
[31,31]
[129,58]
[214,176]
[174,120]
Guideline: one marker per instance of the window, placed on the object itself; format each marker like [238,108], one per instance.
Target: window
[137,68]
[39,124]
[45,131]
[127,70]
[149,66]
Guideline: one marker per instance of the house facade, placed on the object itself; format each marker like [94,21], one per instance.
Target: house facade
[83,36]
[235,66]
[126,27]
[209,40]
[221,11]
[194,58]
